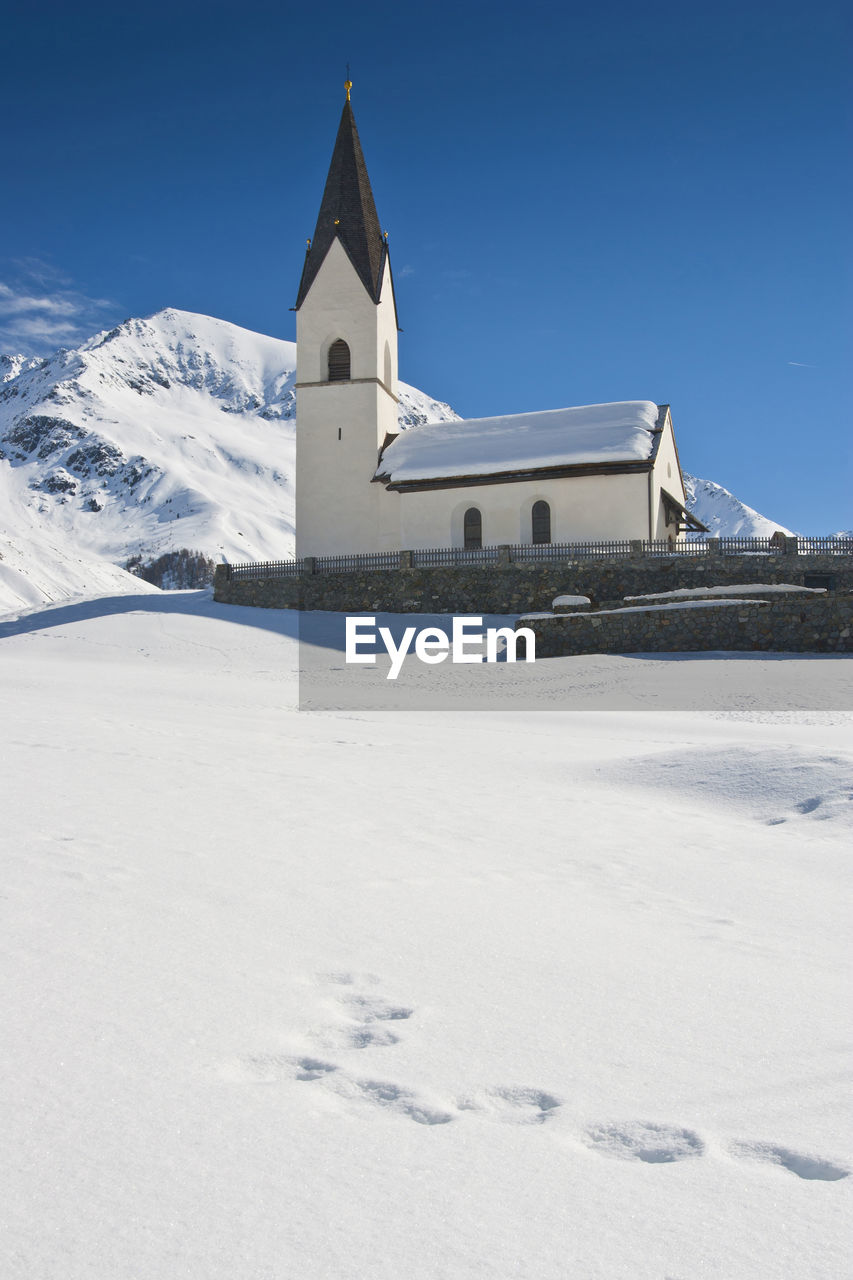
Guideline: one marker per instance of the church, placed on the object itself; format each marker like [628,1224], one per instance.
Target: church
[588,473]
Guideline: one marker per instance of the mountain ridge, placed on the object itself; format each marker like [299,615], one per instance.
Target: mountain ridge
[724,515]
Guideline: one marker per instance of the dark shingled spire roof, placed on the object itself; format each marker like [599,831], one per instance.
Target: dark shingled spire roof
[349,213]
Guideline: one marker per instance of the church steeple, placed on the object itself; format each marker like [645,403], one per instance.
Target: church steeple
[346,366]
[347,213]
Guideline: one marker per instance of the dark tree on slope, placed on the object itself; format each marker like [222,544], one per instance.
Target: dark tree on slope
[175,571]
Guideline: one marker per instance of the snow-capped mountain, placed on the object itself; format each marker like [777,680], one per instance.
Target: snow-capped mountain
[724,515]
[39,564]
[172,431]
[11,366]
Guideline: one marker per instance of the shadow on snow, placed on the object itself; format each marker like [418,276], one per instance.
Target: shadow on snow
[318,629]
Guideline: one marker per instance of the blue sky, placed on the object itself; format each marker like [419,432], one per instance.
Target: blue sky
[642,201]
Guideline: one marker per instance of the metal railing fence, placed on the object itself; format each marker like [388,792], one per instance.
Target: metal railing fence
[540,553]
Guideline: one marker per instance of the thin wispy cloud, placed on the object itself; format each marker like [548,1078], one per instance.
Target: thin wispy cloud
[41,310]
[42,273]
[12,303]
[41,331]
[797,364]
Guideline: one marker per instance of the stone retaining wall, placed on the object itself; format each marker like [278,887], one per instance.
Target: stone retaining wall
[811,624]
[262,593]
[517,588]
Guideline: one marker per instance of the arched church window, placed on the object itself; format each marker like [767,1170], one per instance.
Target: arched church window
[339,361]
[541,522]
[473,529]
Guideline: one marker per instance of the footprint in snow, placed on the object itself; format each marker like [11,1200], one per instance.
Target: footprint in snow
[366,1037]
[367,1009]
[313,1068]
[367,1022]
[821,807]
[650,1143]
[804,1166]
[380,1093]
[387,1095]
[271,1068]
[362,1018]
[512,1104]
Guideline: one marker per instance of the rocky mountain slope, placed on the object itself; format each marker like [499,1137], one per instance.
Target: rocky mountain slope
[723,514]
[172,431]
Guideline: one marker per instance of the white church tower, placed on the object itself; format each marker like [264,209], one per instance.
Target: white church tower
[346,367]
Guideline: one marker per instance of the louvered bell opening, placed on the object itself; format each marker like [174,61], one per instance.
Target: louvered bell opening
[339,361]
[473,529]
[541,522]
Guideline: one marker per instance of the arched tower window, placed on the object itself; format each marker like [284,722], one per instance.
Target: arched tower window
[339,361]
[541,522]
[473,529]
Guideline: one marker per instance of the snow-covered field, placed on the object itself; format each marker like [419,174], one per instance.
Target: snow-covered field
[533,994]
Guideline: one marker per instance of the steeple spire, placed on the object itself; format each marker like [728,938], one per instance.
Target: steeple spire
[348,213]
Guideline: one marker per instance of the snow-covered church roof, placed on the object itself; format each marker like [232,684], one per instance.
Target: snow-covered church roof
[596,435]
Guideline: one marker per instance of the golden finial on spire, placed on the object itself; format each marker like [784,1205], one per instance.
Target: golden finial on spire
[348,83]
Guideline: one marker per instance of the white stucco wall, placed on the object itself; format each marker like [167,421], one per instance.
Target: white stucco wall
[582,507]
[338,306]
[665,475]
[340,426]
